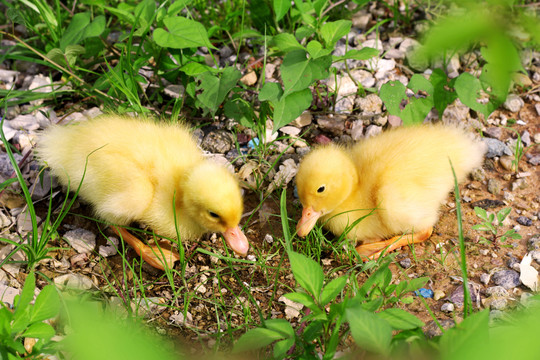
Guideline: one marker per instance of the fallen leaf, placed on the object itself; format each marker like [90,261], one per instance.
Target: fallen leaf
[529,275]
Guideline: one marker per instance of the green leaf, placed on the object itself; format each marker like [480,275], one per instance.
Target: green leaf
[21,320]
[27,293]
[281,347]
[195,68]
[400,319]
[331,32]
[281,7]
[256,339]
[47,304]
[286,42]
[503,214]
[332,289]
[80,28]
[298,72]
[307,273]
[216,89]
[468,89]
[178,6]
[315,49]
[420,83]
[369,331]
[392,94]
[417,283]
[480,212]
[241,111]
[183,33]
[270,91]
[365,53]
[280,325]
[466,335]
[302,298]
[290,107]
[39,330]
[443,90]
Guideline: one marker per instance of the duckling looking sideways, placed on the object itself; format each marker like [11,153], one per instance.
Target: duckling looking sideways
[140,170]
[396,180]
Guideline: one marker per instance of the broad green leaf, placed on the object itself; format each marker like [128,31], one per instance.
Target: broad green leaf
[21,320]
[331,32]
[178,6]
[469,333]
[27,293]
[286,42]
[270,91]
[290,107]
[280,325]
[80,28]
[256,339]
[332,289]
[480,212]
[281,347]
[216,89]
[281,7]
[241,111]
[503,214]
[307,273]
[365,53]
[420,83]
[298,72]
[302,298]
[182,33]
[417,110]
[468,89]
[392,94]
[39,330]
[443,91]
[369,332]
[47,304]
[316,50]
[195,68]
[400,319]
[303,32]
[417,283]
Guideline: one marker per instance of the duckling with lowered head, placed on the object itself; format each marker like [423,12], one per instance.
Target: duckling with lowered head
[395,182]
[153,173]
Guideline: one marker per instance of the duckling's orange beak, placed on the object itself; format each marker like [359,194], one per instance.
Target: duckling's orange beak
[308,221]
[236,240]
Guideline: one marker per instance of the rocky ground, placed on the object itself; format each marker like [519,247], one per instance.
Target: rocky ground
[496,270]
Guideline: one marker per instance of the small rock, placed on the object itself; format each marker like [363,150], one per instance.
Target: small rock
[357,128]
[447,307]
[457,296]
[83,241]
[478,174]
[536,137]
[333,125]
[496,148]
[525,221]
[405,263]
[425,293]
[497,291]
[249,79]
[507,162]
[394,121]
[268,238]
[497,303]
[432,329]
[372,130]
[493,132]
[365,78]
[343,85]
[322,139]
[370,105]
[519,184]
[526,138]
[534,243]
[24,222]
[484,278]
[290,130]
[487,203]
[513,103]
[438,294]
[109,250]
[494,186]
[303,120]
[508,279]
[534,160]
[218,141]
[74,281]
[24,122]
[535,254]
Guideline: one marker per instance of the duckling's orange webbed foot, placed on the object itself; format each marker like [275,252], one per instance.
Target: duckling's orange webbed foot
[374,250]
[153,255]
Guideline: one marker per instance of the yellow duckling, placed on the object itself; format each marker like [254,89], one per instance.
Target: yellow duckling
[140,170]
[396,180]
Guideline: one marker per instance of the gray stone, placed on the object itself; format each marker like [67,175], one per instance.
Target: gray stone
[432,329]
[498,291]
[457,296]
[484,278]
[507,162]
[534,160]
[365,78]
[83,241]
[494,186]
[74,281]
[513,103]
[357,129]
[493,132]
[519,184]
[526,138]
[7,294]
[508,279]
[536,138]
[447,307]
[332,124]
[525,221]
[372,130]
[303,120]
[498,304]
[24,122]
[394,121]
[111,248]
[405,263]
[370,105]
[496,148]
[535,254]
[218,142]
[534,242]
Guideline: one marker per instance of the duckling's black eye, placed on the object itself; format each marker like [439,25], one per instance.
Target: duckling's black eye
[213,214]
[321,189]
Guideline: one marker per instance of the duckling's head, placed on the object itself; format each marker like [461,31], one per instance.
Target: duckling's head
[213,200]
[325,178]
